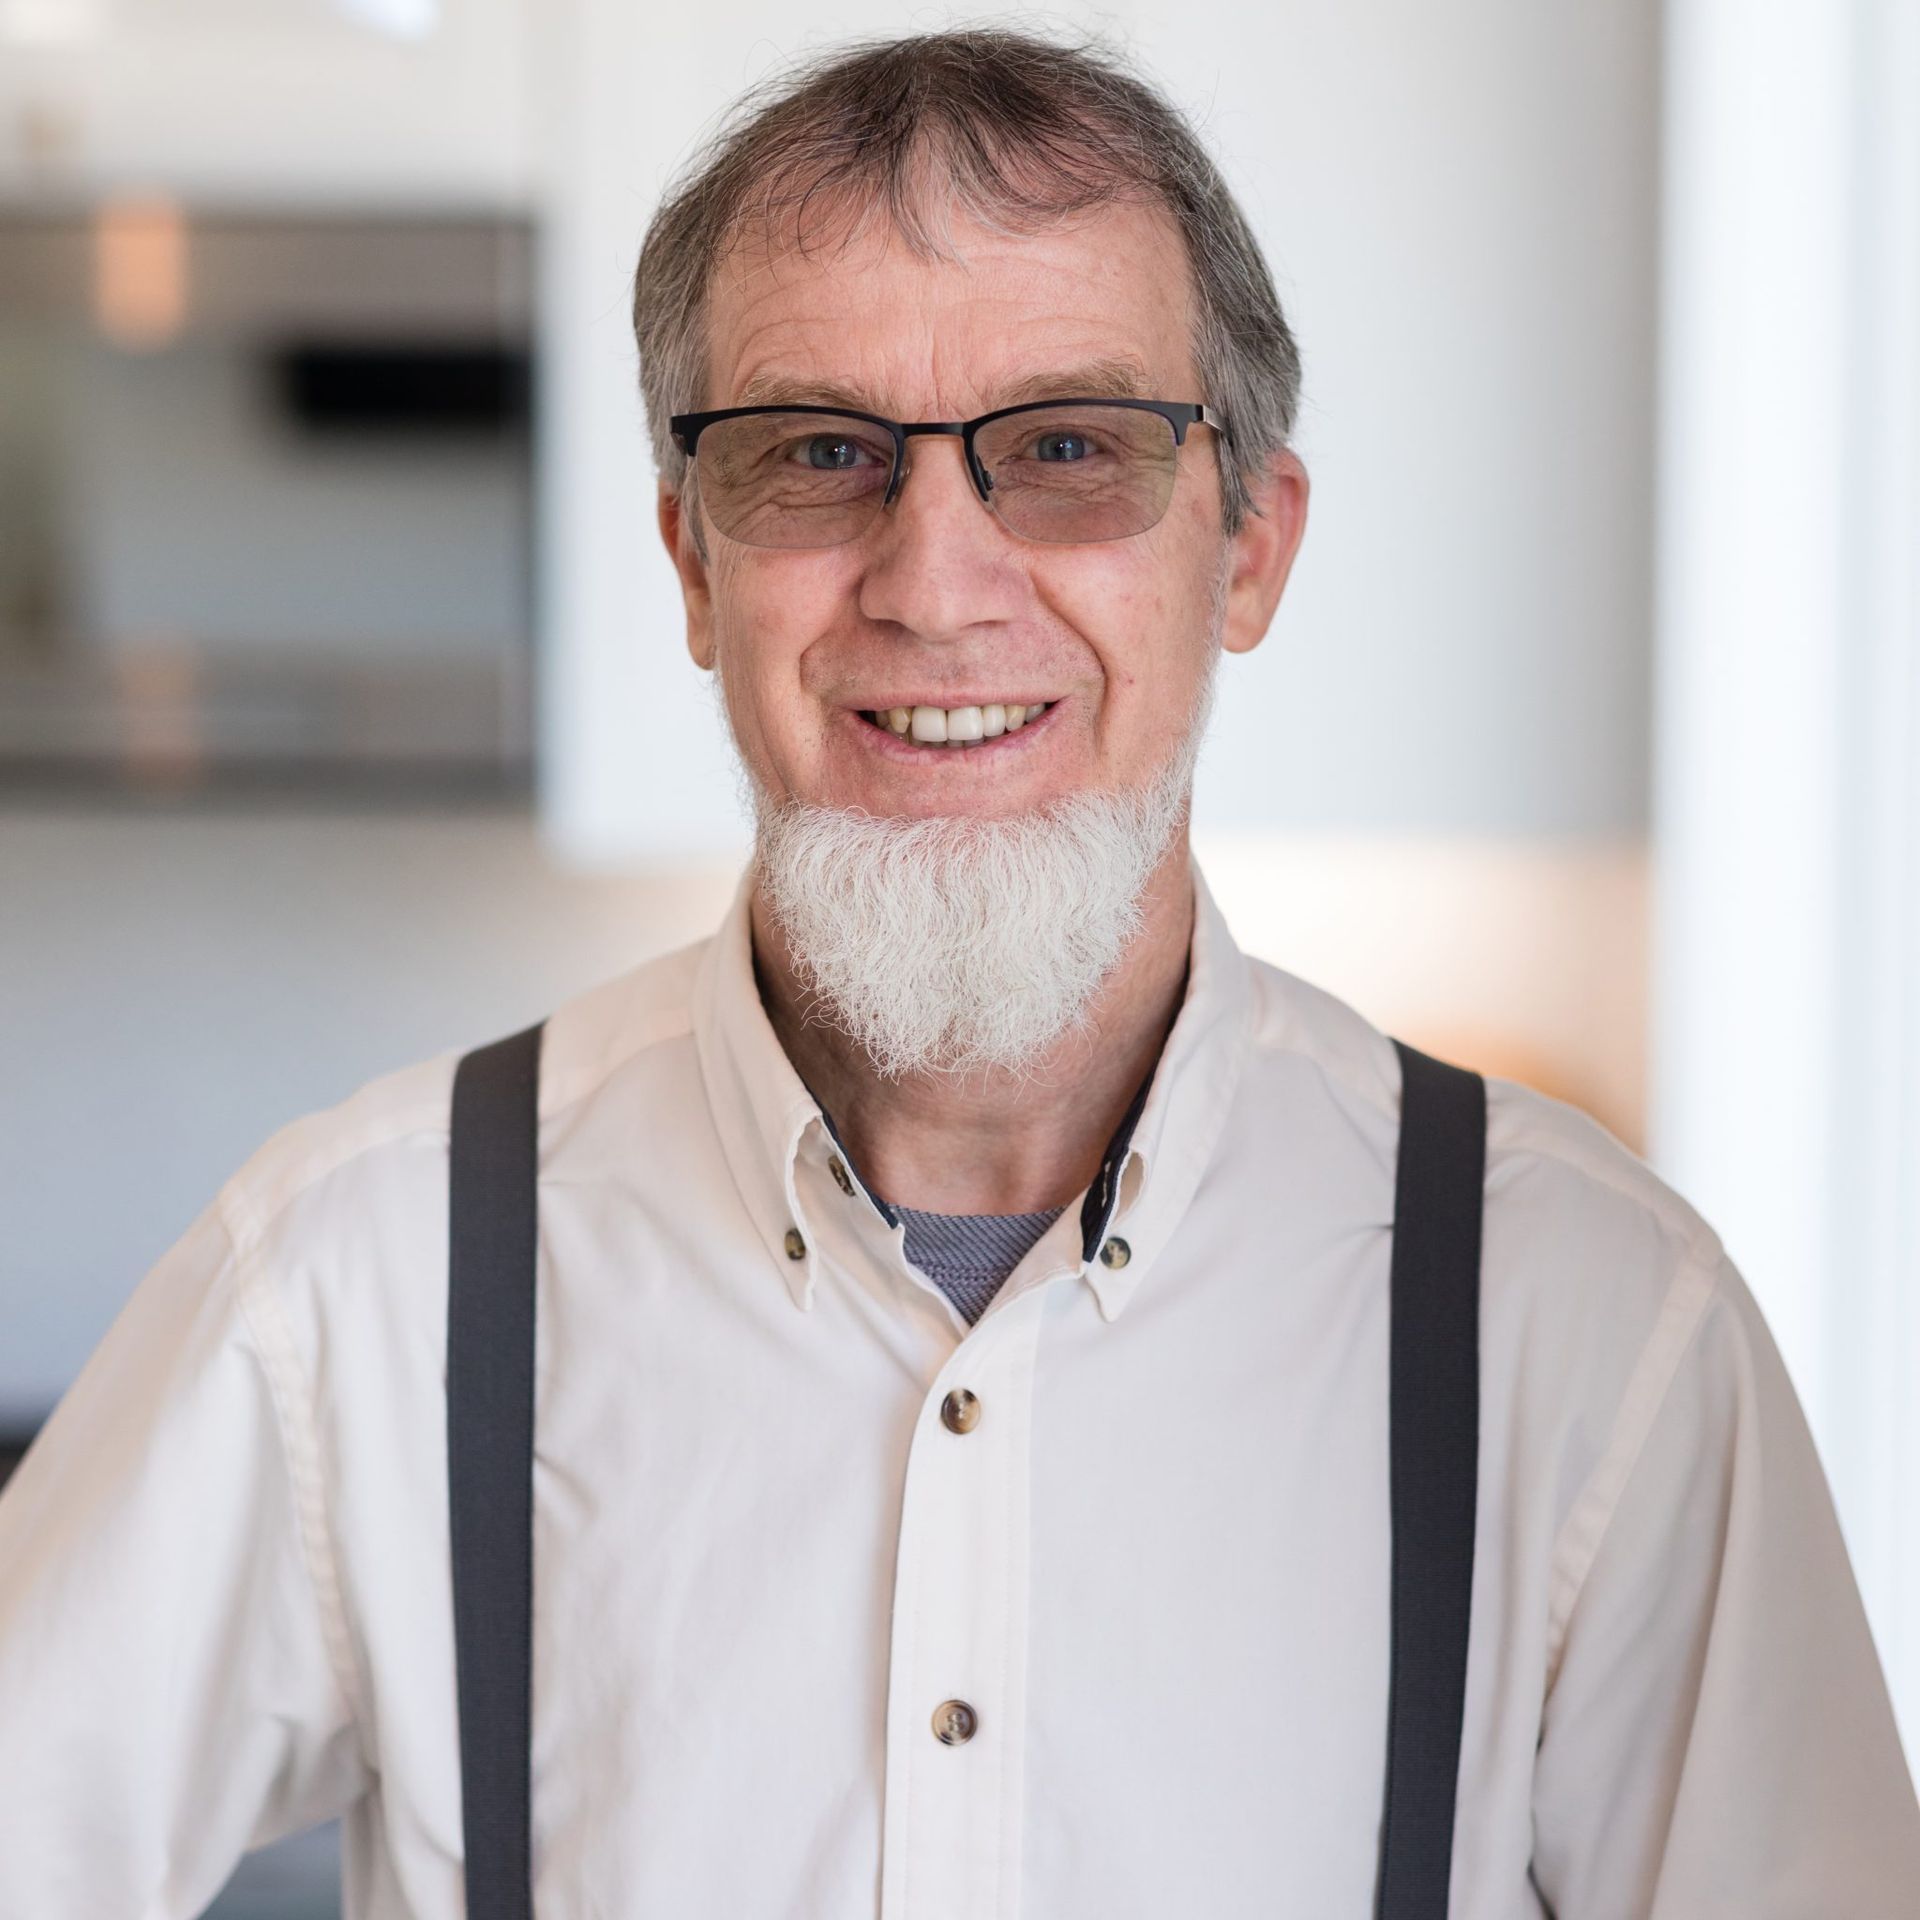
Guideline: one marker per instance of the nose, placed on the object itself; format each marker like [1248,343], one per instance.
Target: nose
[938,562]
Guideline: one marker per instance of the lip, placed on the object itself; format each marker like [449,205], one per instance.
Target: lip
[884,741]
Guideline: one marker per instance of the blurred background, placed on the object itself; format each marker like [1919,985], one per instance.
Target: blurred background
[345,714]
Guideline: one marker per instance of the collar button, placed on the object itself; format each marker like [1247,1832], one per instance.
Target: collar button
[796,1247]
[838,1168]
[1116,1253]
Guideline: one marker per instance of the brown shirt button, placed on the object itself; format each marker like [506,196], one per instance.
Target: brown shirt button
[796,1247]
[960,1411]
[954,1723]
[1116,1253]
[838,1168]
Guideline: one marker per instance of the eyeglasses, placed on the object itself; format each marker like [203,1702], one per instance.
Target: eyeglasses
[1065,471]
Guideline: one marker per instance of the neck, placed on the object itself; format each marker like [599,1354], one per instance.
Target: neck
[994,1142]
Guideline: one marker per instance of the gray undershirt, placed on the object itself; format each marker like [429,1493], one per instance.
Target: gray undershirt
[968,1255]
[965,1255]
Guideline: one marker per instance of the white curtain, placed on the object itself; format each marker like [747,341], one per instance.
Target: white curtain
[1786,1052]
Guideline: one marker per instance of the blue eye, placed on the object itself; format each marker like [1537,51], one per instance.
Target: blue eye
[841,453]
[1062,439]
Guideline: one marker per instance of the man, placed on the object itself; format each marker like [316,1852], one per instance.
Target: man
[960,1477]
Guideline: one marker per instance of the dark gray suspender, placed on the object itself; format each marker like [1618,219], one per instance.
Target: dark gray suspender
[1433,1457]
[490,1343]
[1434,1415]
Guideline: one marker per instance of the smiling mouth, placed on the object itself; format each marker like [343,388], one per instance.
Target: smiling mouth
[953,726]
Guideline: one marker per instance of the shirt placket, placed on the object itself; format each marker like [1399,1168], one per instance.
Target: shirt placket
[956,1707]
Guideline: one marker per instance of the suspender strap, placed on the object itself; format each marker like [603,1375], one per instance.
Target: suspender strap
[490,1336]
[1434,1453]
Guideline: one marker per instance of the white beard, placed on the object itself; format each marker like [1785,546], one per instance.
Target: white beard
[952,945]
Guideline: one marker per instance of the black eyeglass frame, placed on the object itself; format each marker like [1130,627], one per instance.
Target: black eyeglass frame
[1178,414]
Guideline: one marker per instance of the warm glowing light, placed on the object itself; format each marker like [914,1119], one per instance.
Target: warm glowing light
[160,701]
[140,272]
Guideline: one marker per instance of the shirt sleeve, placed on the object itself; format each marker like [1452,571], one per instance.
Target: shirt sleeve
[1717,1741]
[170,1684]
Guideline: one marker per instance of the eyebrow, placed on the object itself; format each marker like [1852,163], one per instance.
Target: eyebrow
[1115,377]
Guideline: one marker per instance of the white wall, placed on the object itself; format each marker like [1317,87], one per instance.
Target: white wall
[1787,1006]
[1458,203]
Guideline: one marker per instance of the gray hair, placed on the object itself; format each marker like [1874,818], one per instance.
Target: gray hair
[1021,132]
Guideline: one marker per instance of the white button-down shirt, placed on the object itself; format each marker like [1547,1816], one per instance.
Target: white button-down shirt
[1156,1567]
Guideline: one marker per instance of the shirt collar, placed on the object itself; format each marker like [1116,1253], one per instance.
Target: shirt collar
[1154,1162]
[1180,1122]
[760,1107]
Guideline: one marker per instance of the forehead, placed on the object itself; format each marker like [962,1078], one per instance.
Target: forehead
[871,323]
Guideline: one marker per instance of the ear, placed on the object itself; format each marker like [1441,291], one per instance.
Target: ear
[684,548]
[1263,551]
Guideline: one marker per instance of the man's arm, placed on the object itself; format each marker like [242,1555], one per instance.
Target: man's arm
[172,1690]
[1717,1741]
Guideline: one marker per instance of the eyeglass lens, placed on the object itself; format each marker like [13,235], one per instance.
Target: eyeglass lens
[1069,474]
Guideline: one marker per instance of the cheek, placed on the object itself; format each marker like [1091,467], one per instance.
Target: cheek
[768,620]
[1173,612]
[1142,623]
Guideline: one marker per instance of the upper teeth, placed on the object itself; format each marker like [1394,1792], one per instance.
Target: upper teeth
[958,726]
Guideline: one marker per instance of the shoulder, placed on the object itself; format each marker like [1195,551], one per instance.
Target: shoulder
[375,1162]
[1605,1296]
[1575,1222]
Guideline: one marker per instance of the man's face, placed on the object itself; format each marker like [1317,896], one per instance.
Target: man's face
[937,604]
